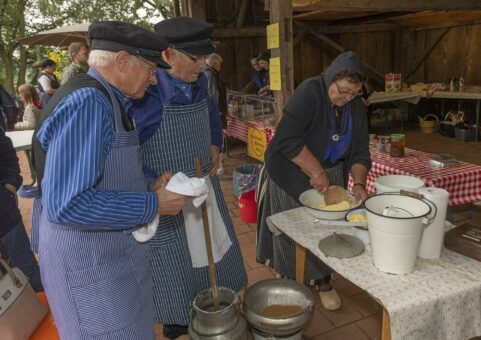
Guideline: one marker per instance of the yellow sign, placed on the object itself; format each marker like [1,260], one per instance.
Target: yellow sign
[275,74]
[273,36]
[256,143]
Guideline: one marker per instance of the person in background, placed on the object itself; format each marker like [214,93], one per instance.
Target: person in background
[178,122]
[8,110]
[263,64]
[256,74]
[321,138]
[47,80]
[29,96]
[218,92]
[97,209]
[79,52]
[13,237]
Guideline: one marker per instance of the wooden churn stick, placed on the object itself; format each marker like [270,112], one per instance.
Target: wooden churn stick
[208,244]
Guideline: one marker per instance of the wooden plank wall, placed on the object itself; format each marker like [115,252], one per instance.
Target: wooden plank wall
[391,51]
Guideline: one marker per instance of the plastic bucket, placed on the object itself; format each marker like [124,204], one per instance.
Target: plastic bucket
[248,208]
[395,237]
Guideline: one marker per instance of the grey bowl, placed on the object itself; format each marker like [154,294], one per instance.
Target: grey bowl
[278,292]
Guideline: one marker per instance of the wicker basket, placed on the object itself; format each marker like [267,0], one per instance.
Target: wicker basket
[428,126]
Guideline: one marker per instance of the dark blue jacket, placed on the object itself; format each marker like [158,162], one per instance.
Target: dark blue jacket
[8,108]
[9,173]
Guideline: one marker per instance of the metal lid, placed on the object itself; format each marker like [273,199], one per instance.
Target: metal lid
[341,246]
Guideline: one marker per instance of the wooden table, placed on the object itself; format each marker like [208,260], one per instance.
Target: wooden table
[414,97]
[443,293]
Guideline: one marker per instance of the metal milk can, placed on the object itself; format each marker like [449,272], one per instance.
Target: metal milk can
[225,324]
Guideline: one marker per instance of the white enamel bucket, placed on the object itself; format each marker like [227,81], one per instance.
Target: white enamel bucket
[396,223]
[396,183]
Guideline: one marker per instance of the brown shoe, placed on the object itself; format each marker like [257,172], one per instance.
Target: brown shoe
[330,299]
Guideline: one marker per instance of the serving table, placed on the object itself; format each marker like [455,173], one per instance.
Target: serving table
[22,141]
[440,299]
[462,181]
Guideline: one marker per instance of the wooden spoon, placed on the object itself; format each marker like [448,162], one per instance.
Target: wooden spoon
[335,194]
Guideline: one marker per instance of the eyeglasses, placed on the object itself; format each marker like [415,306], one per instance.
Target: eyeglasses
[152,68]
[346,92]
[194,58]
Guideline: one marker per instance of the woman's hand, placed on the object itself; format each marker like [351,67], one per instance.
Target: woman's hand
[359,191]
[319,181]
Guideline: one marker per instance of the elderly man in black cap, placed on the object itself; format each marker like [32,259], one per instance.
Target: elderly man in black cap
[178,121]
[97,210]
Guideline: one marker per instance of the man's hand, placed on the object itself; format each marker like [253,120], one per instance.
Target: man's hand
[170,203]
[215,156]
[319,181]
[161,181]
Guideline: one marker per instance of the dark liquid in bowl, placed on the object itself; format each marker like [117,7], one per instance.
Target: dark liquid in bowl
[276,311]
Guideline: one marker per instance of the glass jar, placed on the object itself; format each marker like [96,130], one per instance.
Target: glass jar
[398,143]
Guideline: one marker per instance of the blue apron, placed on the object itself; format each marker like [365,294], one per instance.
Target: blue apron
[98,283]
[183,135]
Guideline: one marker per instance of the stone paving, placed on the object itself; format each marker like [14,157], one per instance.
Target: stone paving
[360,316]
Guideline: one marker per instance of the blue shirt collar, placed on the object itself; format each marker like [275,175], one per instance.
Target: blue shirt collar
[123,99]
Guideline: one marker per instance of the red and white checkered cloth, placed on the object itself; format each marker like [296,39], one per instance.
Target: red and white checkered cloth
[237,128]
[463,181]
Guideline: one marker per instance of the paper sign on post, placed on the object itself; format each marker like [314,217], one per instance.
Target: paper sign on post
[275,74]
[273,36]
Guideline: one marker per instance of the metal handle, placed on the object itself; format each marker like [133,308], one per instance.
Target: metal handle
[411,194]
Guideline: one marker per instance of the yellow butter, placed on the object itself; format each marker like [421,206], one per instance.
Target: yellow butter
[357,218]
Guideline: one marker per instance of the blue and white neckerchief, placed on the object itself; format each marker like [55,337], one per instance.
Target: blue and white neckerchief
[339,139]
[184,87]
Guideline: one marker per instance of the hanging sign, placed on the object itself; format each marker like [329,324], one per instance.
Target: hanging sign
[275,74]
[273,36]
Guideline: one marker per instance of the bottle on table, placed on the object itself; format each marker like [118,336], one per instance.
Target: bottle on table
[398,143]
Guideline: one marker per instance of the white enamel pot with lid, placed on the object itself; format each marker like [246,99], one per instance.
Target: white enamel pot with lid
[396,222]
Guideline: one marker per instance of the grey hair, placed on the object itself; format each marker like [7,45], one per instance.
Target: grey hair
[101,58]
[212,58]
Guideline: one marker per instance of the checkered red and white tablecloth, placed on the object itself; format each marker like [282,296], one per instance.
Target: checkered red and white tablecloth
[237,128]
[463,181]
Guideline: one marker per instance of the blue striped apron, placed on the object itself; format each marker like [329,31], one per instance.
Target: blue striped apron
[183,135]
[98,282]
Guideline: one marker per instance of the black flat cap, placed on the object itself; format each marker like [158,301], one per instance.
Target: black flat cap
[118,36]
[264,55]
[187,34]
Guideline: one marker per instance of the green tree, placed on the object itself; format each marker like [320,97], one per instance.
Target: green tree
[26,17]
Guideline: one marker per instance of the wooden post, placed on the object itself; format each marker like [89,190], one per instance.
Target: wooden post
[280,11]
[197,9]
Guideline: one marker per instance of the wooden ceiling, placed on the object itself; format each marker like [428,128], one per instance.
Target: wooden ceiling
[387,14]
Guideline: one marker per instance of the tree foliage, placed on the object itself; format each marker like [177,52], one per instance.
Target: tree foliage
[26,17]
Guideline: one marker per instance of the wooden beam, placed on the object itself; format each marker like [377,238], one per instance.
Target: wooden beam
[390,5]
[242,13]
[425,53]
[298,38]
[374,73]
[280,11]
[378,27]
[244,32]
